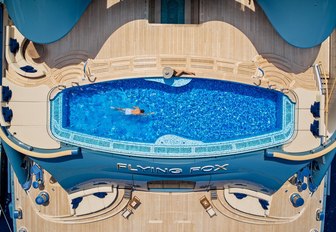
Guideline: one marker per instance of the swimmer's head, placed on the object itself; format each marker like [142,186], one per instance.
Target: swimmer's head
[142,111]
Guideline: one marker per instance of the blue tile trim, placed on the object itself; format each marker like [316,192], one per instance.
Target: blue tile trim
[177,147]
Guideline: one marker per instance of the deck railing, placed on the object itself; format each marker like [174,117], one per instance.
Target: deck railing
[333,87]
[332,66]
[322,79]
[325,79]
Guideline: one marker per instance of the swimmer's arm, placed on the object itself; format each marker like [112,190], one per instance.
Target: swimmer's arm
[144,114]
[117,108]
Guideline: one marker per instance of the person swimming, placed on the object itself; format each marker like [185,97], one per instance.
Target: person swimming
[178,73]
[131,111]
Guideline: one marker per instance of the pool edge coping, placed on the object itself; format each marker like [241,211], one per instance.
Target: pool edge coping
[205,150]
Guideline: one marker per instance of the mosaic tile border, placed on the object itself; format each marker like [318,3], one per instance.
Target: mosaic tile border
[173,146]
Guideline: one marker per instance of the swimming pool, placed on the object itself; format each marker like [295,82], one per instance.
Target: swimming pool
[189,116]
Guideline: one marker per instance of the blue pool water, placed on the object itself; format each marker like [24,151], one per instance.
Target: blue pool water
[203,110]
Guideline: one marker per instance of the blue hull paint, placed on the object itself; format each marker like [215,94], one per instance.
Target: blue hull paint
[249,169]
[16,159]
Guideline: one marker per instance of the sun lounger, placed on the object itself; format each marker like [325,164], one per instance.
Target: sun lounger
[92,200]
[315,109]
[7,114]
[314,128]
[135,202]
[127,212]
[6,94]
[14,53]
[211,212]
[207,206]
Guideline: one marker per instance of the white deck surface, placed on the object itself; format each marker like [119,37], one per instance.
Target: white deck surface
[30,115]
[304,139]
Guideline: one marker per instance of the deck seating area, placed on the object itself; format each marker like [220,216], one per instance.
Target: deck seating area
[317,110]
[65,214]
[132,205]
[5,113]
[207,206]
[248,201]
[92,200]
[277,212]
[241,71]
[152,66]
[14,46]
[224,45]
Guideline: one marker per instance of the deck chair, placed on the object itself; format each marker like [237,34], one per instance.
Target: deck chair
[135,202]
[207,206]
[127,212]
[315,109]
[314,128]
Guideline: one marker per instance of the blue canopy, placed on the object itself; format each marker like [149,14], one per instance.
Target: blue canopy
[45,21]
[303,24]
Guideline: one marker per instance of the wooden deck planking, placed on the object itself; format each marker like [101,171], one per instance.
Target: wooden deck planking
[171,212]
[229,31]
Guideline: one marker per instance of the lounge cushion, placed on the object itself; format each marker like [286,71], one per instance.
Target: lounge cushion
[314,128]
[13,45]
[264,204]
[100,194]
[28,69]
[315,109]
[6,93]
[240,195]
[75,202]
[7,114]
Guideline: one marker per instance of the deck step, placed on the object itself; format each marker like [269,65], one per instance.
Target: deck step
[213,194]
[127,194]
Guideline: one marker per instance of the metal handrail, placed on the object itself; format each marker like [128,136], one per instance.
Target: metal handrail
[318,78]
[333,88]
[87,72]
[59,87]
[326,106]
[321,74]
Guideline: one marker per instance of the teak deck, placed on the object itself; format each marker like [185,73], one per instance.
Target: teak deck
[119,41]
